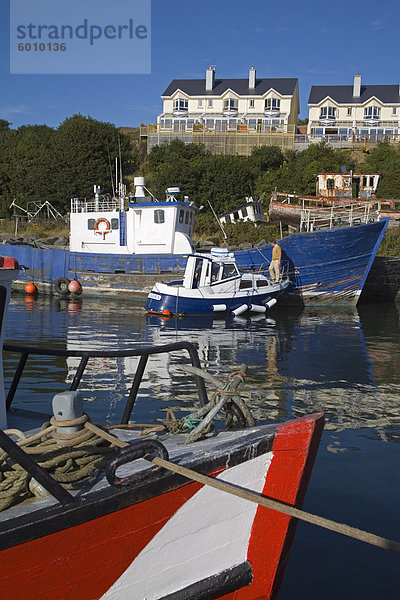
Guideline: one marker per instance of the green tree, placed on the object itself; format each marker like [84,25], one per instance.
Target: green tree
[384,159]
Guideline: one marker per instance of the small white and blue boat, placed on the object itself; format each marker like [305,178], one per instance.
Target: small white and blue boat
[213,284]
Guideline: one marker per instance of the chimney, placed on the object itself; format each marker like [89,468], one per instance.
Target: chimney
[210,79]
[252,78]
[357,86]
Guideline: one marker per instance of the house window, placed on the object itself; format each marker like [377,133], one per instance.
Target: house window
[328,113]
[394,110]
[210,103]
[349,111]
[230,104]
[372,112]
[273,104]
[159,216]
[251,103]
[199,103]
[180,104]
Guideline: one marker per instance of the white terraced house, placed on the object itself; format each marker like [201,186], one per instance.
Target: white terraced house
[364,112]
[212,104]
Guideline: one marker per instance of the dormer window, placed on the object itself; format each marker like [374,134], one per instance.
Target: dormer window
[230,104]
[180,105]
[328,113]
[372,113]
[272,105]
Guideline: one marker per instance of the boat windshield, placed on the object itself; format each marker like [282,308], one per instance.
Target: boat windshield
[229,270]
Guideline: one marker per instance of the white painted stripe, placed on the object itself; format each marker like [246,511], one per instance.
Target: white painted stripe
[208,534]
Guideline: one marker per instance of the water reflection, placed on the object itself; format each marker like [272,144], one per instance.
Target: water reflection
[342,362]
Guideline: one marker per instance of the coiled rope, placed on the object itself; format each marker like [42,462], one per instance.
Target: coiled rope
[70,458]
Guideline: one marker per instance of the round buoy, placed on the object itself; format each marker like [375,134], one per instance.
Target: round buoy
[166,314]
[30,288]
[74,287]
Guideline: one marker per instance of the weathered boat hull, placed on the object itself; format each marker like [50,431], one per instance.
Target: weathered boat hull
[160,539]
[327,266]
[98,273]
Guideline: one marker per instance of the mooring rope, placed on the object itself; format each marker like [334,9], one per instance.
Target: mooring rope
[69,458]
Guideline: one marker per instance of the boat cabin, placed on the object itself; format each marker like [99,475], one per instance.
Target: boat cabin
[251,211]
[347,185]
[138,225]
[210,270]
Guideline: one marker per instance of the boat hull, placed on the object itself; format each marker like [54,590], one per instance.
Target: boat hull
[325,267]
[203,304]
[161,540]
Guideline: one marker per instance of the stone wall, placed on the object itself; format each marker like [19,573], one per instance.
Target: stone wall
[383,281]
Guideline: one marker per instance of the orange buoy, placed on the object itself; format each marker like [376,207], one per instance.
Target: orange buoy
[30,288]
[166,314]
[74,287]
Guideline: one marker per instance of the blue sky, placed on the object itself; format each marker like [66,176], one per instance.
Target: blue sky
[318,42]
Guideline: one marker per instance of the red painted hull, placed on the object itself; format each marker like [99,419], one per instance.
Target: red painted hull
[82,562]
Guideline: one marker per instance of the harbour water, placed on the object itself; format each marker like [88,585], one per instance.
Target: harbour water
[345,363]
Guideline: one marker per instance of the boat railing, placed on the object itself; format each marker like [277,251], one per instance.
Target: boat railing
[103,204]
[340,216]
[144,353]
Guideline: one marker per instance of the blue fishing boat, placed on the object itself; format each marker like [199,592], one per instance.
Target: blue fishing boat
[325,266]
[212,284]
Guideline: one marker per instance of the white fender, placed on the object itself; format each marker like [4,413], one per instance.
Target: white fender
[239,310]
[257,308]
[271,303]
[218,307]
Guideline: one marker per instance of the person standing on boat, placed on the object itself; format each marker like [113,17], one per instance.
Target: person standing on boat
[275,262]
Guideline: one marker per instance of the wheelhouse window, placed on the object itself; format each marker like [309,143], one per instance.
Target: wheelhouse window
[273,104]
[328,113]
[230,104]
[180,104]
[181,215]
[372,113]
[229,271]
[159,216]
[330,184]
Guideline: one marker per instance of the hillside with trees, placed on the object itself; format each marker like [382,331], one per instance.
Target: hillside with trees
[41,163]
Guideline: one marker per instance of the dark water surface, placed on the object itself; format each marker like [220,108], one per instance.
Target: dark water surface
[345,363]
